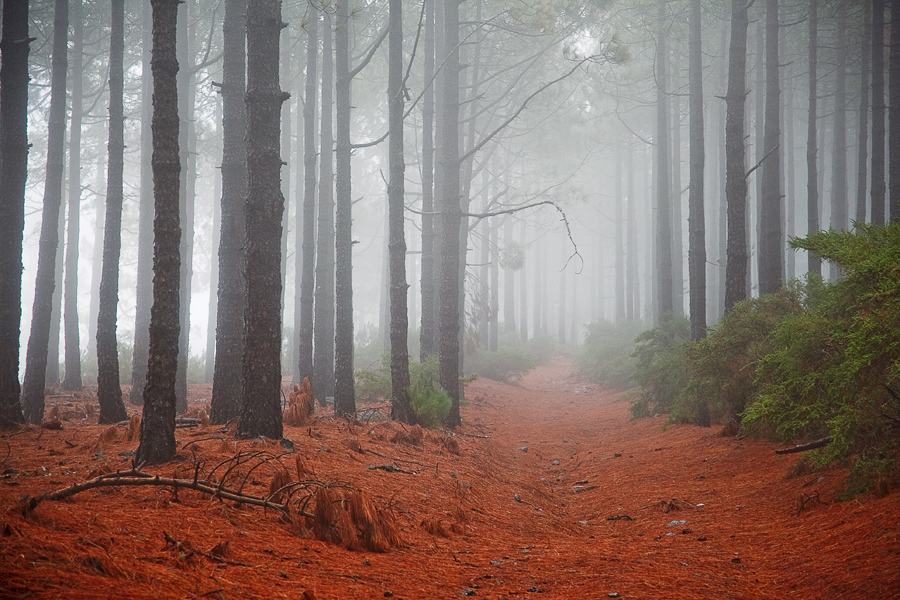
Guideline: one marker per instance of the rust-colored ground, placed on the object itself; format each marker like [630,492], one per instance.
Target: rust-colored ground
[576,515]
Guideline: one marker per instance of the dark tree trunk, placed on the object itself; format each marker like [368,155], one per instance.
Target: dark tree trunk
[814,265]
[839,213]
[323,350]
[158,423]
[344,398]
[144,293]
[427,327]
[109,391]
[735,177]
[226,394]
[307,280]
[209,370]
[894,112]
[261,364]
[56,309]
[14,48]
[72,377]
[451,217]
[493,323]
[663,182]
[45,284]
[862,166]
[400,403]
[877,187]
[771,251]
[697,161]
[287,77]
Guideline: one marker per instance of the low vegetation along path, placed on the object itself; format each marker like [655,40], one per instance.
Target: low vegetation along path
[549,490]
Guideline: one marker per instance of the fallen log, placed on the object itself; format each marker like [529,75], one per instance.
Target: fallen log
[804,447]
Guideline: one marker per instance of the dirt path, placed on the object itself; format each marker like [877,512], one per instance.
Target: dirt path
[555,493]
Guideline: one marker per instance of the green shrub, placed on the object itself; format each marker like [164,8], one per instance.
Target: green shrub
[374,385]
[429,402]
[512,360]
[660,367]
[606,355]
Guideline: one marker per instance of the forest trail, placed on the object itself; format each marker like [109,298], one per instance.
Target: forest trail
[555,493]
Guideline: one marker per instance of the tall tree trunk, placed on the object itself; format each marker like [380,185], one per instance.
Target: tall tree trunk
[157,443]
[286,76]
[839,212]
[212,316]
[790,196]
[877,187]
[72,377]
[561,324]
[894,113]
[620,243]
[632,283]
[814,265]
[697,161]
[97,251]
[144,292]
[735,177]
[863,131]
[523,287]
[323,357]
[307,279]
[261,361]
[109,391]
[677,217]
[400,401]
[45,282]
[493,324]
[509,281]
[56,308]
[427,328]
[344,397]
[771,251]
[665,305]
[226,393]
[451,217]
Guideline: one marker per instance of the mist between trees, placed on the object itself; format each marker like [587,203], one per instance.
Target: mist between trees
[334,181]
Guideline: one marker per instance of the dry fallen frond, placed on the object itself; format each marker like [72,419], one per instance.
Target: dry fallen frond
[134,428]
[435,527]
[300,404]
[281,479]
[331,522]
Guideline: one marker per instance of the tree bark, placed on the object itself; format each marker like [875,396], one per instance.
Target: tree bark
[45,282]
[862,165]
[877,187]
[697,163]
[14,48]
[261,360]
[344,397]
[894,113]
[771,251]
[109,390]
[72,377]
[665,306]
[226,394]
[814,265]
[735,176]
[157,443]
[323,349]
[839,212]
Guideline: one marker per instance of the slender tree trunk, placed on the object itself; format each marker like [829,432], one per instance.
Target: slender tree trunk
[97,250]
[509,282]
[261,361]
[109,391]
[771,251]
[735,177]
[72,377]
[790,195]
[157,443]
[677,217]
[427,280]
[840,219]
[863,131]
[45,284]
[286,76]
[307,279]
[894,113]
[323,357]
[144,293]
[697,161]
[620,243]
[814,265]
[523,288]
[561,324]
[56,308]
[212,317]
[632,296]
[451,218]
[877,187]
[226,394]
[400,402]
[493,324]
[344,397]
[664,202]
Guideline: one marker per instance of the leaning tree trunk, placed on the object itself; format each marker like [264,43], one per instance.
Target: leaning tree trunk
[14,48]
[323,351]
[451,218]
[226,393]
[697,160]
[307,281]
[144,294]
[877,188]
[45,284]
[72,377]
[735,177]
[158,423]
[771,251]
[344,397]
[109,390]
[400,402]
[814,264]
[261,364]
[663,197]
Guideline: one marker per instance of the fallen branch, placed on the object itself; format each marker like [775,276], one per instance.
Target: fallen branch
[804,447]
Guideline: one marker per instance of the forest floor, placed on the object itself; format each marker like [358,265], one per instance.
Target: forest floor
[554,493]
